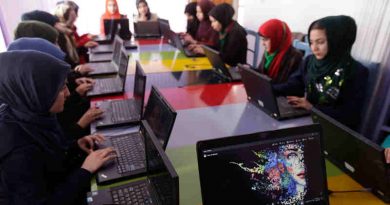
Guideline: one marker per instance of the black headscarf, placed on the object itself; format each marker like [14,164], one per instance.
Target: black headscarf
[29,84]
[36,29]
[37,44]
[223,13]
[192,25]
[41,16]
[326,76]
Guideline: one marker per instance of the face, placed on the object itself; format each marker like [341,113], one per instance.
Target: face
[111,7]
[215,24]
[58,105]
[199,13]
[142,9]
[189,17]
[72,17]
[294,161]
[266,42]
[318,43]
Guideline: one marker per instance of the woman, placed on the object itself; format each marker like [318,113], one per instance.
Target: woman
[205,34]
[144,13]
[232,43]
[36,163]
[334,82]
[36,29]
[112,12]
[192,21]
[280,58]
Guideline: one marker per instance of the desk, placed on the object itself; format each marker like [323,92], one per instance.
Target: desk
[207,111]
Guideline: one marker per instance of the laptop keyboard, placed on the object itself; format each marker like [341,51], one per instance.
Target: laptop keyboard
[107,85]
[124,110]
[135,194]
[286,109]
[130,152]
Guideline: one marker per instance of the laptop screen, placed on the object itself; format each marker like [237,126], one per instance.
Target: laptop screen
[360,158]
[164,27]
[161,173]
[118,42]
[216,61]
[117,26]
[123,64]
[160,116]
[278,167]
[147,28]
[139,84]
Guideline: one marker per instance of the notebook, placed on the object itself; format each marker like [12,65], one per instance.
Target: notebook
[219,67]
[109,48]
[112,85]
[147,29]
[128,111]
[259,90]
[130,162]
[356,155]
[273,167]
[160,187]
[164,28]
[177,42]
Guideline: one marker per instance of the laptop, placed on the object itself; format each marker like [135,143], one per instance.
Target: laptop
[130,162]
[259,90]
[274,167]
[110,48]
[177,42]
[356,155]
[161,186]
[104,68]
[128,111]
[147,29]
[164,28]
[112,85]
[219,67]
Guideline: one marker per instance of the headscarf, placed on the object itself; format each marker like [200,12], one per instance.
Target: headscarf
[192,25]
[108,15]
[29,85]
[149,14]
[223,13]
[70,45]
[327,76]
[41,16]
[37,44]
[280,35]
[206,33]
[36,29]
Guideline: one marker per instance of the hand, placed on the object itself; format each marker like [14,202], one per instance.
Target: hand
[188,38]
[92,36]
[91,44]
[198,49]
[96,159]
[91,115]
[83,69]
[298,102]
[387,155]
[61,27]
[82,80]
[84,88]
[87,143]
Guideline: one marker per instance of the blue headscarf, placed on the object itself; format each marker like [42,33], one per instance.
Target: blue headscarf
[37,44]
[29,84]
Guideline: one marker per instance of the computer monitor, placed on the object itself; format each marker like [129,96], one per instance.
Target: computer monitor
[274,167]
[356,155]
[117,26]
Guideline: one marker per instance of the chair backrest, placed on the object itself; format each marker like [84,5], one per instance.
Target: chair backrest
[302,46]
[253,51]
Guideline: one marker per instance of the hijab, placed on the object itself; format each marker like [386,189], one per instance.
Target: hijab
[41,16]
[327,76]
[36,29]
[280,35]
[108,15]
[223,13]
[206,33]
[192,25]
[29,85]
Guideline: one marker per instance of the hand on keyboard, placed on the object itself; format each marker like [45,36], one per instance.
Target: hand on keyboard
[299,102]
[91,115]
[97,159]
[88,143]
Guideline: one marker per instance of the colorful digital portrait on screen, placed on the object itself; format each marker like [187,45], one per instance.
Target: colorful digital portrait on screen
[277,174]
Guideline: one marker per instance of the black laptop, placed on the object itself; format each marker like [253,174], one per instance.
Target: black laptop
[109,48]
[147,29]
[130,162]
[259,90]
[104,68]
[274,167]
[112,85]
[161,187]
[164,28]
[128,111]
[219,66]
[356,155]
[175,40]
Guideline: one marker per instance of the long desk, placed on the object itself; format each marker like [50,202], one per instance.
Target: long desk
[207,111]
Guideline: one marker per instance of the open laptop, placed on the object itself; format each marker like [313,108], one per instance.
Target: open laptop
[110,48]
[104,68]
[161,187]
[356,155]
[130,162]
[219,67]
[259,90]
[128,111]
[147,29]
[112,85]
[175,40]
[164,28]
[274,167]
